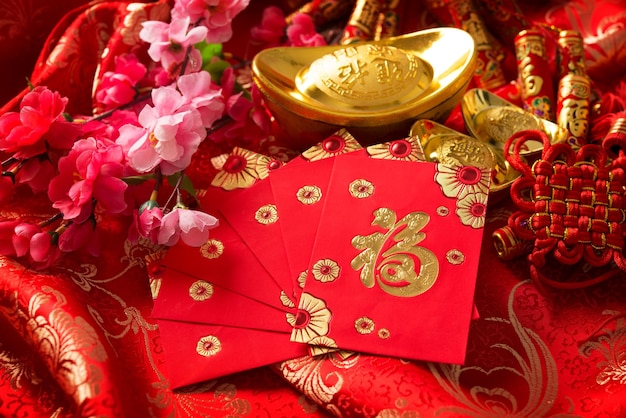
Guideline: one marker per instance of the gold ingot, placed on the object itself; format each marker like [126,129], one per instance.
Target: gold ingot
[447,146]
[374,89]
[493,120]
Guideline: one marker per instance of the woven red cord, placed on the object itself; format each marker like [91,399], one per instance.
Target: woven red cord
[571,204]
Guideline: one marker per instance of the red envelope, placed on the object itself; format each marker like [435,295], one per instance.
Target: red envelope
[253,214]
[195,299]
[226,261]
[299,188]
[198,352]
[394,264]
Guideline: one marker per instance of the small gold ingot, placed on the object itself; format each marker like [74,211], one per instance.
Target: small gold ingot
[493,120]
[375,89]
[447,146]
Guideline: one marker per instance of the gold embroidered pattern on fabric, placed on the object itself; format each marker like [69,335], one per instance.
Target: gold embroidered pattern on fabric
[325,270]
[361,189]
[266,215]
[311,320]
[610,342]
[213,248]
[68,344]
[443,211]
[305,373]
[533,366]
[308,195]
[209,346]
[200,290]
[393,258]
[364,325]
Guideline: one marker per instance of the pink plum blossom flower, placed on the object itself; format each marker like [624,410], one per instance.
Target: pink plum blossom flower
[146,223]
[38,126]
[215,15]
[120,86]
[78,236]
[171,42]
[92,170]
[22,236]
[43,249]
[191,226]
[36,172]
[271,31]
[203,95]
[301,32]
[170,133]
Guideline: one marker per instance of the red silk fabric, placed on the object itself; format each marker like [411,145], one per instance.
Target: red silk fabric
[78,339]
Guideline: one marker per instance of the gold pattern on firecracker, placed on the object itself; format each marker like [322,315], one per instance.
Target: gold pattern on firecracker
[362,23]
[324,11]
[573,107]
[534,74]
[571,53]
[488,73]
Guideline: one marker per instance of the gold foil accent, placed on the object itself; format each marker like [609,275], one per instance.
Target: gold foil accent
[266,215]
[460,181]
[213,248]
[311,320]
[472,210]
[308,195]
[200,290]
[443,211]
[322,345]
[407,149]
[364,325]
[361,189]
[325,270]
[265,164]
[455,257]
[286,301]
[302,278]
[238,169]
[384,333]
[391,258]
[208,346]
[341,142]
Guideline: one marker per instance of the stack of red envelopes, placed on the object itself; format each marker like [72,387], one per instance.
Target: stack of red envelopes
[371,250]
